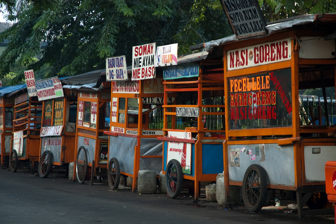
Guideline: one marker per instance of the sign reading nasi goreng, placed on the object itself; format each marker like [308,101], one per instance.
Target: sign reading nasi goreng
[143,58]
[261,54]
[116,68]
[261,97]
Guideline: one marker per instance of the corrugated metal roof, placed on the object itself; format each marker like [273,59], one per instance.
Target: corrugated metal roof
[85,78]
[11,90]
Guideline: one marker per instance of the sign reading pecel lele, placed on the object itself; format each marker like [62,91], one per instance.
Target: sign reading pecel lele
[245,17]
[261,54]
[116,68]
[143,58]
[30,81]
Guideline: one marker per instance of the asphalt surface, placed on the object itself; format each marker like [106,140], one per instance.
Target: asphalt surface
[27,198]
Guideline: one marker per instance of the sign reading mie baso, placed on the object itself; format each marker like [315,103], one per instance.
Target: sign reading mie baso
[245,17]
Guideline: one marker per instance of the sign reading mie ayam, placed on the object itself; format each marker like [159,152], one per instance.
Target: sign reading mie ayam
[245,17]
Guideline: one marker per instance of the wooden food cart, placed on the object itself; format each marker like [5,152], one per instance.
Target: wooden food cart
[194,123]
[58,128]
[6,123]
[26,130]
[278,135]
[93,113]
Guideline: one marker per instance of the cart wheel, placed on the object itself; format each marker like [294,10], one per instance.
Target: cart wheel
[45,164]
[81,165]
[113,176]
[255,188]
[13,161]
[317,201]
[174,177]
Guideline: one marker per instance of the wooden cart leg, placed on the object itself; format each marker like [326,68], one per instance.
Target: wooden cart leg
[92,172]
[196,189]
[134,183]
[299,203]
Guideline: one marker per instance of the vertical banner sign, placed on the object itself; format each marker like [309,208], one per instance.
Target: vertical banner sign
[114,109]
[30,81]
[47,113]
[166,55]
[80,112]
[58,115]
[18,142]
[93,115]
[116,68]
[245,17]
[143,58]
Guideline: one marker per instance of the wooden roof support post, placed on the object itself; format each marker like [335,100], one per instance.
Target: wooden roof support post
[227,121]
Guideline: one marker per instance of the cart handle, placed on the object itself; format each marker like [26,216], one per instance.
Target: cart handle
[111,133]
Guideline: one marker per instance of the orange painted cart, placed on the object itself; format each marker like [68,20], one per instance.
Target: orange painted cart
[26,131]
[280,111]
[193,124]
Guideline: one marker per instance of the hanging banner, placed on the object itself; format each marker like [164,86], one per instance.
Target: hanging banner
[125,87]
[187,111]
[181,71]
[93,123]
[180,151]
[51,131]
[49,89]
[21,98]
[114,109]
[18,142]
[143,58]
[116,68]
[166,55]
[80,112]
[261,54]
[30,81]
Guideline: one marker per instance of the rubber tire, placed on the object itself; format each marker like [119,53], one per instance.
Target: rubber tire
[261,201]
[16,161]
[86,167]
[49,165]
[117,169]
[317,203]
[179,179]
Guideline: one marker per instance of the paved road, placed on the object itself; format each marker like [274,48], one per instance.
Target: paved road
[26,198]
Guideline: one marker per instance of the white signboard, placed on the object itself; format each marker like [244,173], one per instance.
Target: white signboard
[18,142]
[166,55]
[143,58]
[152,132]
[117,129]
[30,81]
[131,132]
[187,111]
[116,68]
[114,109]
[180,151]
[125,87]
[51,131]
[49,89]
[261,54]
[156,100]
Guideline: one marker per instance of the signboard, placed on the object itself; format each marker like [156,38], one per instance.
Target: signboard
[153,85]
[30,81]
[261,54]
[116,68]
[18,142]
[166,55]
[51,131]
[80,112]
[131,132]
[245,17]
[114,109]
[88,95]
[152,132]
[117,129]
[156,100]
[187,111]
[125,87]
[54,145]
[49,89]
[22,98]
[181,71]
[58,112]
[47,113]
[143,58]
[180,151]
[93,122]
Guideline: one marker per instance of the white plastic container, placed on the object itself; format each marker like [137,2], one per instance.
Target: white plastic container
[147,182]
[210,192]
[220,190]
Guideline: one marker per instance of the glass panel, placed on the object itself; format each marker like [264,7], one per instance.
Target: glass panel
[73,113]
[132,110]
[58,112]
[261,101]
[107,114]
[47,113]
[87,114]
[9,117]
[121,111]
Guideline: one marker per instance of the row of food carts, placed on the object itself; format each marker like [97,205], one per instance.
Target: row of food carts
[238,107]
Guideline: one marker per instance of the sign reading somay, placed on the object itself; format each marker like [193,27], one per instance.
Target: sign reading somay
[116,68]
[143,58]
[30,81]
[261,54]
